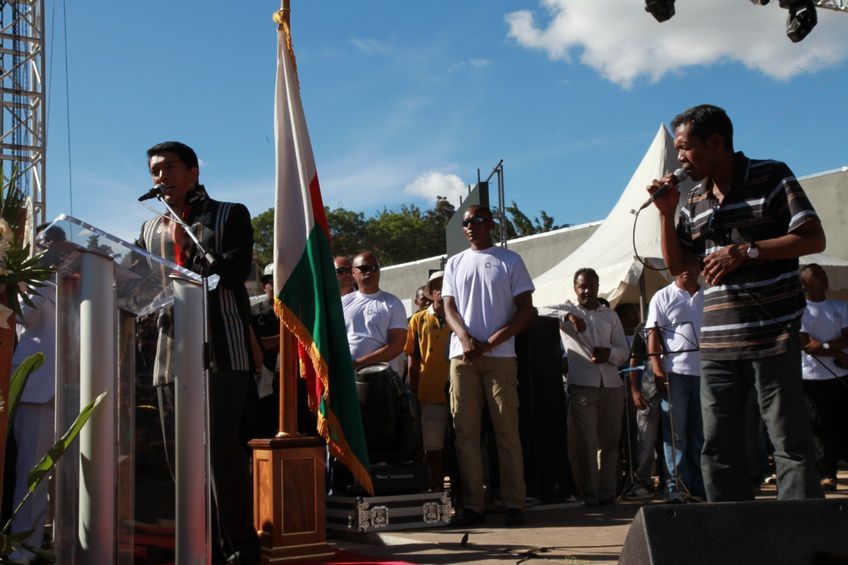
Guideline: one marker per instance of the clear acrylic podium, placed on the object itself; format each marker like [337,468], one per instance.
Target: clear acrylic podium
[116,500]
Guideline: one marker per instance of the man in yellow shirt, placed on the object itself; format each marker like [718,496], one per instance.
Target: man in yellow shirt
[429,370]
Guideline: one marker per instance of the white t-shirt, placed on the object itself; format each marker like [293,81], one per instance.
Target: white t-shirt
[670,307]
[483,285]
[368,319]
[824,321]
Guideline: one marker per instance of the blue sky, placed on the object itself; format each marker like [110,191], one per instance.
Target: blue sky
[405,100]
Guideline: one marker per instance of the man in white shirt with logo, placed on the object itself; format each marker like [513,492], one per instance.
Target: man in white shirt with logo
[677,377]
[375,320]
[488,296]
[824,366]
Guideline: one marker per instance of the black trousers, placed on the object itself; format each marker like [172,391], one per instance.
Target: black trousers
[828,405]
[232,502]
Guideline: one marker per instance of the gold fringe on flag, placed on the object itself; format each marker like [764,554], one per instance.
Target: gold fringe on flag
[281,18]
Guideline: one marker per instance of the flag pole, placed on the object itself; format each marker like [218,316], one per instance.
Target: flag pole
[288,470]
[288,342]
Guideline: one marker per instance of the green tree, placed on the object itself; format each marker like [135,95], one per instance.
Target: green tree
[404,234]
[436,220]
[546,223]
[347,231]
[263,237]
[522,224]
[398,235]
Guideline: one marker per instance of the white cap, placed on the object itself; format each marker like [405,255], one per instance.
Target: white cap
[269,269]
[435,276]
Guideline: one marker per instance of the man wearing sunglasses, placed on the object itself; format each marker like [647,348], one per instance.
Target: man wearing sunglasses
[344,273]
[488,297]
[751,220]
[375,320]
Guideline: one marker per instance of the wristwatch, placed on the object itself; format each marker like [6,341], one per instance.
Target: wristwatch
[825,346]
[753,251]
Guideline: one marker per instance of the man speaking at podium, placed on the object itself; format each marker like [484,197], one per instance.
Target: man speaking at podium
[225,231]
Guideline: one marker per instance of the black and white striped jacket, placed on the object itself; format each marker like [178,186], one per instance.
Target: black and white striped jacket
[225,230]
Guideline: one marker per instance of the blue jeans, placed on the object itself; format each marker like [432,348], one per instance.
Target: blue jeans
[777,384]
[685,411]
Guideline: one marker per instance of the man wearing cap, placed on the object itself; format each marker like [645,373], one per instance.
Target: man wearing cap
[375,320]
[429,370]
[488,298]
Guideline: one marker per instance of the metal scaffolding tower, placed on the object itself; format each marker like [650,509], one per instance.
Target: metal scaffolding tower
[23,145]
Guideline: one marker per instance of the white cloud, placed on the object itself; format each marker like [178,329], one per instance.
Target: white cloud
[370,46]
[433,183]
[623,43]
[474,63]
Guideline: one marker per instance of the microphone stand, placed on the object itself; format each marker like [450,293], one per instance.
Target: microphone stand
[679,486]
[208,260]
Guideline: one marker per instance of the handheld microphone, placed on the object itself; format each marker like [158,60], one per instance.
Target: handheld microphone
[154,192]
[680,175]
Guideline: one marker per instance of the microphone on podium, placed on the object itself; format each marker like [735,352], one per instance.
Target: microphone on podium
[154,192]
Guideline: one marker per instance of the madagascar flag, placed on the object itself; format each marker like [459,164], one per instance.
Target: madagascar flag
[305,284]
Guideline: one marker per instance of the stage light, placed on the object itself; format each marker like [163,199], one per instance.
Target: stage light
[801,20]
[662,10]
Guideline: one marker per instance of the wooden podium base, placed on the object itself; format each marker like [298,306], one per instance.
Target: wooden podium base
[289,498]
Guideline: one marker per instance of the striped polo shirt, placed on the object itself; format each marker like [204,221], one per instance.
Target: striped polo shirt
[751,313]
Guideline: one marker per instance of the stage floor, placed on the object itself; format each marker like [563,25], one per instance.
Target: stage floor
[565,533]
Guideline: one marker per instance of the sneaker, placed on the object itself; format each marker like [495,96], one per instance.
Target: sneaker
[514,517]
[828,484]
[468,519]
[638,492]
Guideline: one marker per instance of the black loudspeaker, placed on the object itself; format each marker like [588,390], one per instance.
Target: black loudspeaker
[768,533]
[542,416]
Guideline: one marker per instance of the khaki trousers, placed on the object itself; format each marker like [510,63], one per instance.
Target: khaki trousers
[594,422]
[493,380]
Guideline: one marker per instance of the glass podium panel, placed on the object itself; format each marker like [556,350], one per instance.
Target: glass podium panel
[143,435]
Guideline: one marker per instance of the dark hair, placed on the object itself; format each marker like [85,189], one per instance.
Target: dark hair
[705,120]
[624,307]
[810,267]
[49,232]
[587,271]
[480,208]
[181,150]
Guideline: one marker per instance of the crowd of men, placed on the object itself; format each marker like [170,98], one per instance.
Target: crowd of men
[731,334]
[725,337]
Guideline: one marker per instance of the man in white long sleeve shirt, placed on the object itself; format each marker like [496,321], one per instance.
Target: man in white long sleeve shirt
[596,396]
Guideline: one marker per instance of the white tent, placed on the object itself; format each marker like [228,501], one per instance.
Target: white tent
[610,249]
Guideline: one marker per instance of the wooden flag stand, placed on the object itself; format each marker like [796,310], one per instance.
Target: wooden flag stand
[289,492]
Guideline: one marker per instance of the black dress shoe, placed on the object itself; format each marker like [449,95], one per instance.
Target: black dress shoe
[468,518]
